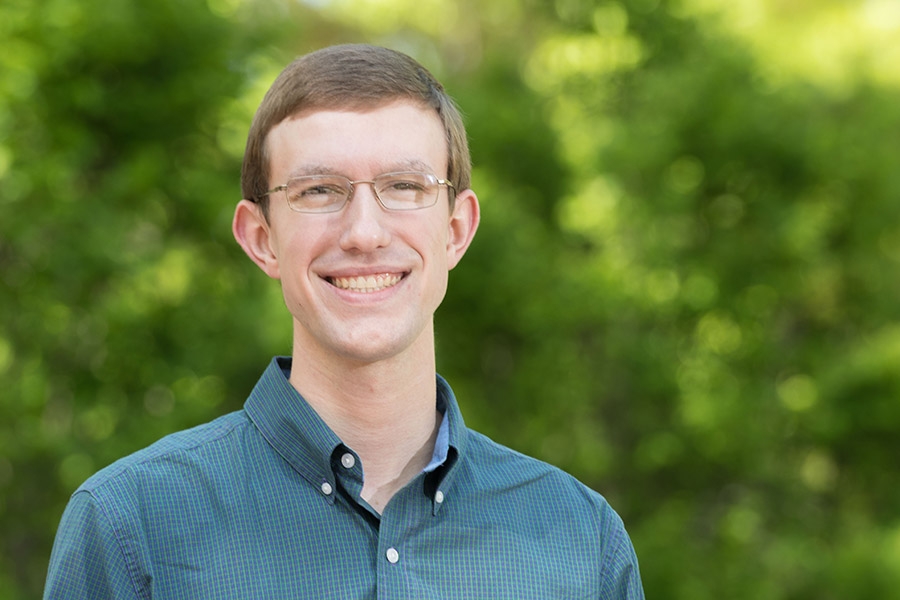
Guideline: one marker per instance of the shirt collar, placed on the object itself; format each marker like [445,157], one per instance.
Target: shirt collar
[290,425]
[443,473]
[442,441]
[296,431]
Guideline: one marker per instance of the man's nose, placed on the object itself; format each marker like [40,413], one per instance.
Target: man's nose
[363,220]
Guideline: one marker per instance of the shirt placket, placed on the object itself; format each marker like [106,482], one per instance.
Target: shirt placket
[393,558]
[407,515]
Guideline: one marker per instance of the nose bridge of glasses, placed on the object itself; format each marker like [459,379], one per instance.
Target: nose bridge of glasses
[353,186]
[351,192]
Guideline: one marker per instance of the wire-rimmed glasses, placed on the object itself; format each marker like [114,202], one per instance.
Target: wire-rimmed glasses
[406,190]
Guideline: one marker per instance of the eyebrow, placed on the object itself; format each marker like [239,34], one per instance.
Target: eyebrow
[321,169]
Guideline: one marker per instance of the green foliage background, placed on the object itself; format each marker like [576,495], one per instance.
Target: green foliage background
[684,290]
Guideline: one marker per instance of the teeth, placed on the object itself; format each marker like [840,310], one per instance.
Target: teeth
[371,283]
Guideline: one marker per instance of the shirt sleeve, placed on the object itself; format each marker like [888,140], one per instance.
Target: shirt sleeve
[620,576]
[88,558]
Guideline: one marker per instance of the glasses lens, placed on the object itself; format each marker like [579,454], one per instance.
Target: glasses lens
[317,194]
[407,191]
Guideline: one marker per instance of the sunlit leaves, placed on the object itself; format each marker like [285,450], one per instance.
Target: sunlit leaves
[436,18]
[833,43]
[684,287]
[589,58]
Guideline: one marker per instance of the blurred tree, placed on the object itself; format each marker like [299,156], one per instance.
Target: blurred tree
[118,284]
[692,337]
[683,290]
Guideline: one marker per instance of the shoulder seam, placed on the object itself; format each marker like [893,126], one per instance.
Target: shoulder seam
[128,463]
[128,555]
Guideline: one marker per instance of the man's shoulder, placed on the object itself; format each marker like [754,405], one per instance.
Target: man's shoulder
[513,490]
[180,449]
[495,465]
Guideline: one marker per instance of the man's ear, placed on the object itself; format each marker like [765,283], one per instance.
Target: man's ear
[252,232]
[463,224]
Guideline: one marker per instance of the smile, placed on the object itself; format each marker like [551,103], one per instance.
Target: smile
[367,283]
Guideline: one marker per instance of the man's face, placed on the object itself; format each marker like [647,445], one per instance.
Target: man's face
[363,283]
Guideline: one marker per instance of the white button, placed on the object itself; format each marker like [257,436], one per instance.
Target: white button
[326,488]
[439,496]
[392,555]
[348,461]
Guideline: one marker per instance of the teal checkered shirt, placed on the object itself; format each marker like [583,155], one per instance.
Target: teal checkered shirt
[265,503]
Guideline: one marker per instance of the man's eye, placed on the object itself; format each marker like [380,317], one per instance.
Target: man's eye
[402,185]
[322,189]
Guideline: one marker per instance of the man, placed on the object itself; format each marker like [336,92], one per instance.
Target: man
[349,473]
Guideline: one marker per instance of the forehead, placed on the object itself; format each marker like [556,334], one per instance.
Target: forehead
[358,143]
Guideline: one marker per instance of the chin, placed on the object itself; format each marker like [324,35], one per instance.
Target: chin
[375,351]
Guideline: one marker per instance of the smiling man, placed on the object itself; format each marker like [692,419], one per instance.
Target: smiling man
[350,472]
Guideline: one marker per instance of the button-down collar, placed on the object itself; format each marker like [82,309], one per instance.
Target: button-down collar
[297,432]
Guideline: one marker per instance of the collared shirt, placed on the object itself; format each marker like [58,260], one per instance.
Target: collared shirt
[265,503]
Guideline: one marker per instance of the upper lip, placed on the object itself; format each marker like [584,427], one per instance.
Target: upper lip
[378,273]
[364,272]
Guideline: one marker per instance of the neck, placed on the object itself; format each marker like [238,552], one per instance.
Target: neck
[384,410]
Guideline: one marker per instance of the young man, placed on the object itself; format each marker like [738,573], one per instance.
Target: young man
[349,473]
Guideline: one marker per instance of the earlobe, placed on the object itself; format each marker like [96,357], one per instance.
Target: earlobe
[463,225]
[252,233]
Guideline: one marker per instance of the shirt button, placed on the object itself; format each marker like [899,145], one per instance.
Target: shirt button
[392,555]
[326,488]
[348,461]
[439,496]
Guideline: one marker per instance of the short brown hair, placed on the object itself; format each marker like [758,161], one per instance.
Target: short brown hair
[351,77]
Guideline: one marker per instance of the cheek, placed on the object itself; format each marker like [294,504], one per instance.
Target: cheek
[300,245]
[439,238]
[438,259]
[293,266]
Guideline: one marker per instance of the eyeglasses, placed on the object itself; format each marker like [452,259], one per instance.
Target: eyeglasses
[329,193]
